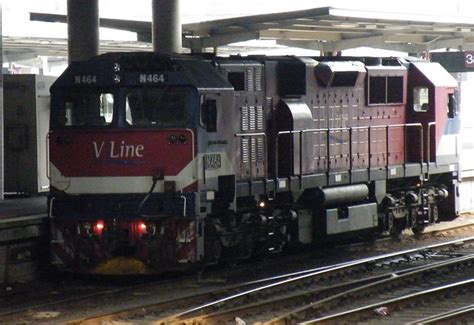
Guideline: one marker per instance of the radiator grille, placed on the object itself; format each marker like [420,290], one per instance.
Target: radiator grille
[245,150]
[254,149]
[250,79]
[258,79]
[244,118]
[260,149]
[254,79]
[259,112]
[251,120]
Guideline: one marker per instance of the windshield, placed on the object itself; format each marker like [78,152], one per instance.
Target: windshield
[84,109]
[157,107]
[167,107]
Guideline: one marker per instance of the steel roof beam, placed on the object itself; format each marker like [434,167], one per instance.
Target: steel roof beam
[454,43]
[307,45]
[9,56]
[299,35]
[370,41]
[218,40]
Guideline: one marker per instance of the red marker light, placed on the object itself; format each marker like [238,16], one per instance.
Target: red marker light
[99,226]
[142,226]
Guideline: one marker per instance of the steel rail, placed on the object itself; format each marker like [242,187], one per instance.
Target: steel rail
[410,276]
[173,303]
[263,283]
[309,276]
[449,316]
[404,299]
[362,284]
[299,297]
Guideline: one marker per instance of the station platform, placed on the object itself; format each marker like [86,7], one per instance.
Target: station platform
[24,240]
[17,206]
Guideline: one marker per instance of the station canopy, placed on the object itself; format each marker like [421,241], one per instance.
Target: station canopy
[326,29]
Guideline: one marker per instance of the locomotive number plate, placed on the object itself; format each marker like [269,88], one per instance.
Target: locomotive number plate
[212,161]
[88,79]
[151,78]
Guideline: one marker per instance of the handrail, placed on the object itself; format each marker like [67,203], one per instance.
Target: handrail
[50,210]
[185,205]
[193,148]
[48,166]
[428,150]
[351,165]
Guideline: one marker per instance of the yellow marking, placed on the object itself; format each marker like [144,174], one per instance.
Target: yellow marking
[122,266]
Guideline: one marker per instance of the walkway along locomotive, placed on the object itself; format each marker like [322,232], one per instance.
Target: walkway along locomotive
[173,161]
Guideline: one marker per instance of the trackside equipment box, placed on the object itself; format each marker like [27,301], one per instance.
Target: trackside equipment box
[26,122]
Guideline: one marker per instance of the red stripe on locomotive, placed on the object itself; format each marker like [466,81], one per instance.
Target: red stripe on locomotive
[121,152]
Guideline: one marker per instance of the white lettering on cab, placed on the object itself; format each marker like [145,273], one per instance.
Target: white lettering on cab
[121,150]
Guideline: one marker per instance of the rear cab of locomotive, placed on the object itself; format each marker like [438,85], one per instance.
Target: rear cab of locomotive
[126,161]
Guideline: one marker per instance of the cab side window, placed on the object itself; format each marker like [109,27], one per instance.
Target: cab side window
[452,106]
[421,99]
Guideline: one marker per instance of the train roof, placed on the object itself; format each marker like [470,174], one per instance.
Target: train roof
[436,74]
[112,69]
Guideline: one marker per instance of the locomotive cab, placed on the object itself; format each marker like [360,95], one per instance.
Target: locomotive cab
[431,103]
[126,144]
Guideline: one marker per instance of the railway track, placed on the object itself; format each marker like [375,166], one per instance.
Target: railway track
[196,291]
[321,290]
[377,295]
[457,315]
[422,307]
[329,289]
[217,288]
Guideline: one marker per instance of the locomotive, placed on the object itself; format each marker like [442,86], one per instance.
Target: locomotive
[163,162]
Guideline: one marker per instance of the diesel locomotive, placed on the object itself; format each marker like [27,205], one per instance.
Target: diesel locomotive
[165,162]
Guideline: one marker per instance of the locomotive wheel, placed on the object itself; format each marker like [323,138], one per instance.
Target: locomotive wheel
[246,248]
[418,230]
[212,245]
[396,227]
[396,232]
[434,213]
[213,250]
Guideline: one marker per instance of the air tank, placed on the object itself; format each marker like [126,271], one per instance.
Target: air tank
[342,195]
